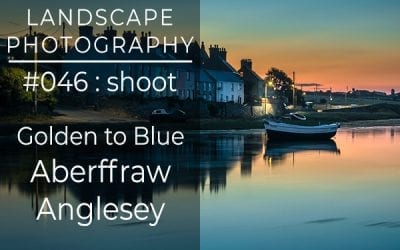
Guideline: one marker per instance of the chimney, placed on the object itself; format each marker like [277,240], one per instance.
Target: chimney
[223,53]
[217,52]
[246,64]
[214,51]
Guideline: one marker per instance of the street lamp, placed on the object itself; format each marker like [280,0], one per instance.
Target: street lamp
[294,89]
[294,95]
[269,83]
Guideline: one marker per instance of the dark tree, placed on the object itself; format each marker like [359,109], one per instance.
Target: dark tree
[13,94]
[283,85]
[281,81]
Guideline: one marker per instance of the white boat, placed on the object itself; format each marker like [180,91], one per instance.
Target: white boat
[284,131]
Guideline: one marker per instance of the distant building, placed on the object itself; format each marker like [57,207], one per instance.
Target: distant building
[367,93]
[380,94]
[254,85]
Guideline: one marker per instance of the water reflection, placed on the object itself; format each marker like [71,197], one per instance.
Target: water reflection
[276,152]
[235,168]
[24,199]
[220,153]
[204,160]
[202,163]
[311,195]
[374,133]
[18,164]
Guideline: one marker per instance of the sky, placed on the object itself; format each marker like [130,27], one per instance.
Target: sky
[340,44]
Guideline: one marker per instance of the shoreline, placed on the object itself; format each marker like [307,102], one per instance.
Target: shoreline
[7,128]
[8,131]
[117,119]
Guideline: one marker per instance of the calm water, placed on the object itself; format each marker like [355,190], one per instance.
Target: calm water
[244,193]
[342,194]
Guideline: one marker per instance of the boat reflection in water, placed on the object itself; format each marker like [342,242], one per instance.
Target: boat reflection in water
[279,151]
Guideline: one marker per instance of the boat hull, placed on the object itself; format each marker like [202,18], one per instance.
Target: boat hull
[284,131]
[287,136]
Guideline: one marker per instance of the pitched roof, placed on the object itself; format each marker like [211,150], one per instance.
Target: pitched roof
[252,73]
[205,76]
[225,76]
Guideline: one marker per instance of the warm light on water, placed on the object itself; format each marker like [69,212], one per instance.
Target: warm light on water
[248,194]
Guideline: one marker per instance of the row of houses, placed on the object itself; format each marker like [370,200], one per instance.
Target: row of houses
[210,77]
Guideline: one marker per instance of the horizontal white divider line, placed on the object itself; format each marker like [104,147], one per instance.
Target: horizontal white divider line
[102,61]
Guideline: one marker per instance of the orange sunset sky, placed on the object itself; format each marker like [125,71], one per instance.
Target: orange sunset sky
[335,43]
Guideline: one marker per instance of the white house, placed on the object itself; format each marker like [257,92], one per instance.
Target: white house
[229,86]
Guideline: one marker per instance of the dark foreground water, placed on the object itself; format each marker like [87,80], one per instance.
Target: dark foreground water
[232,189]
